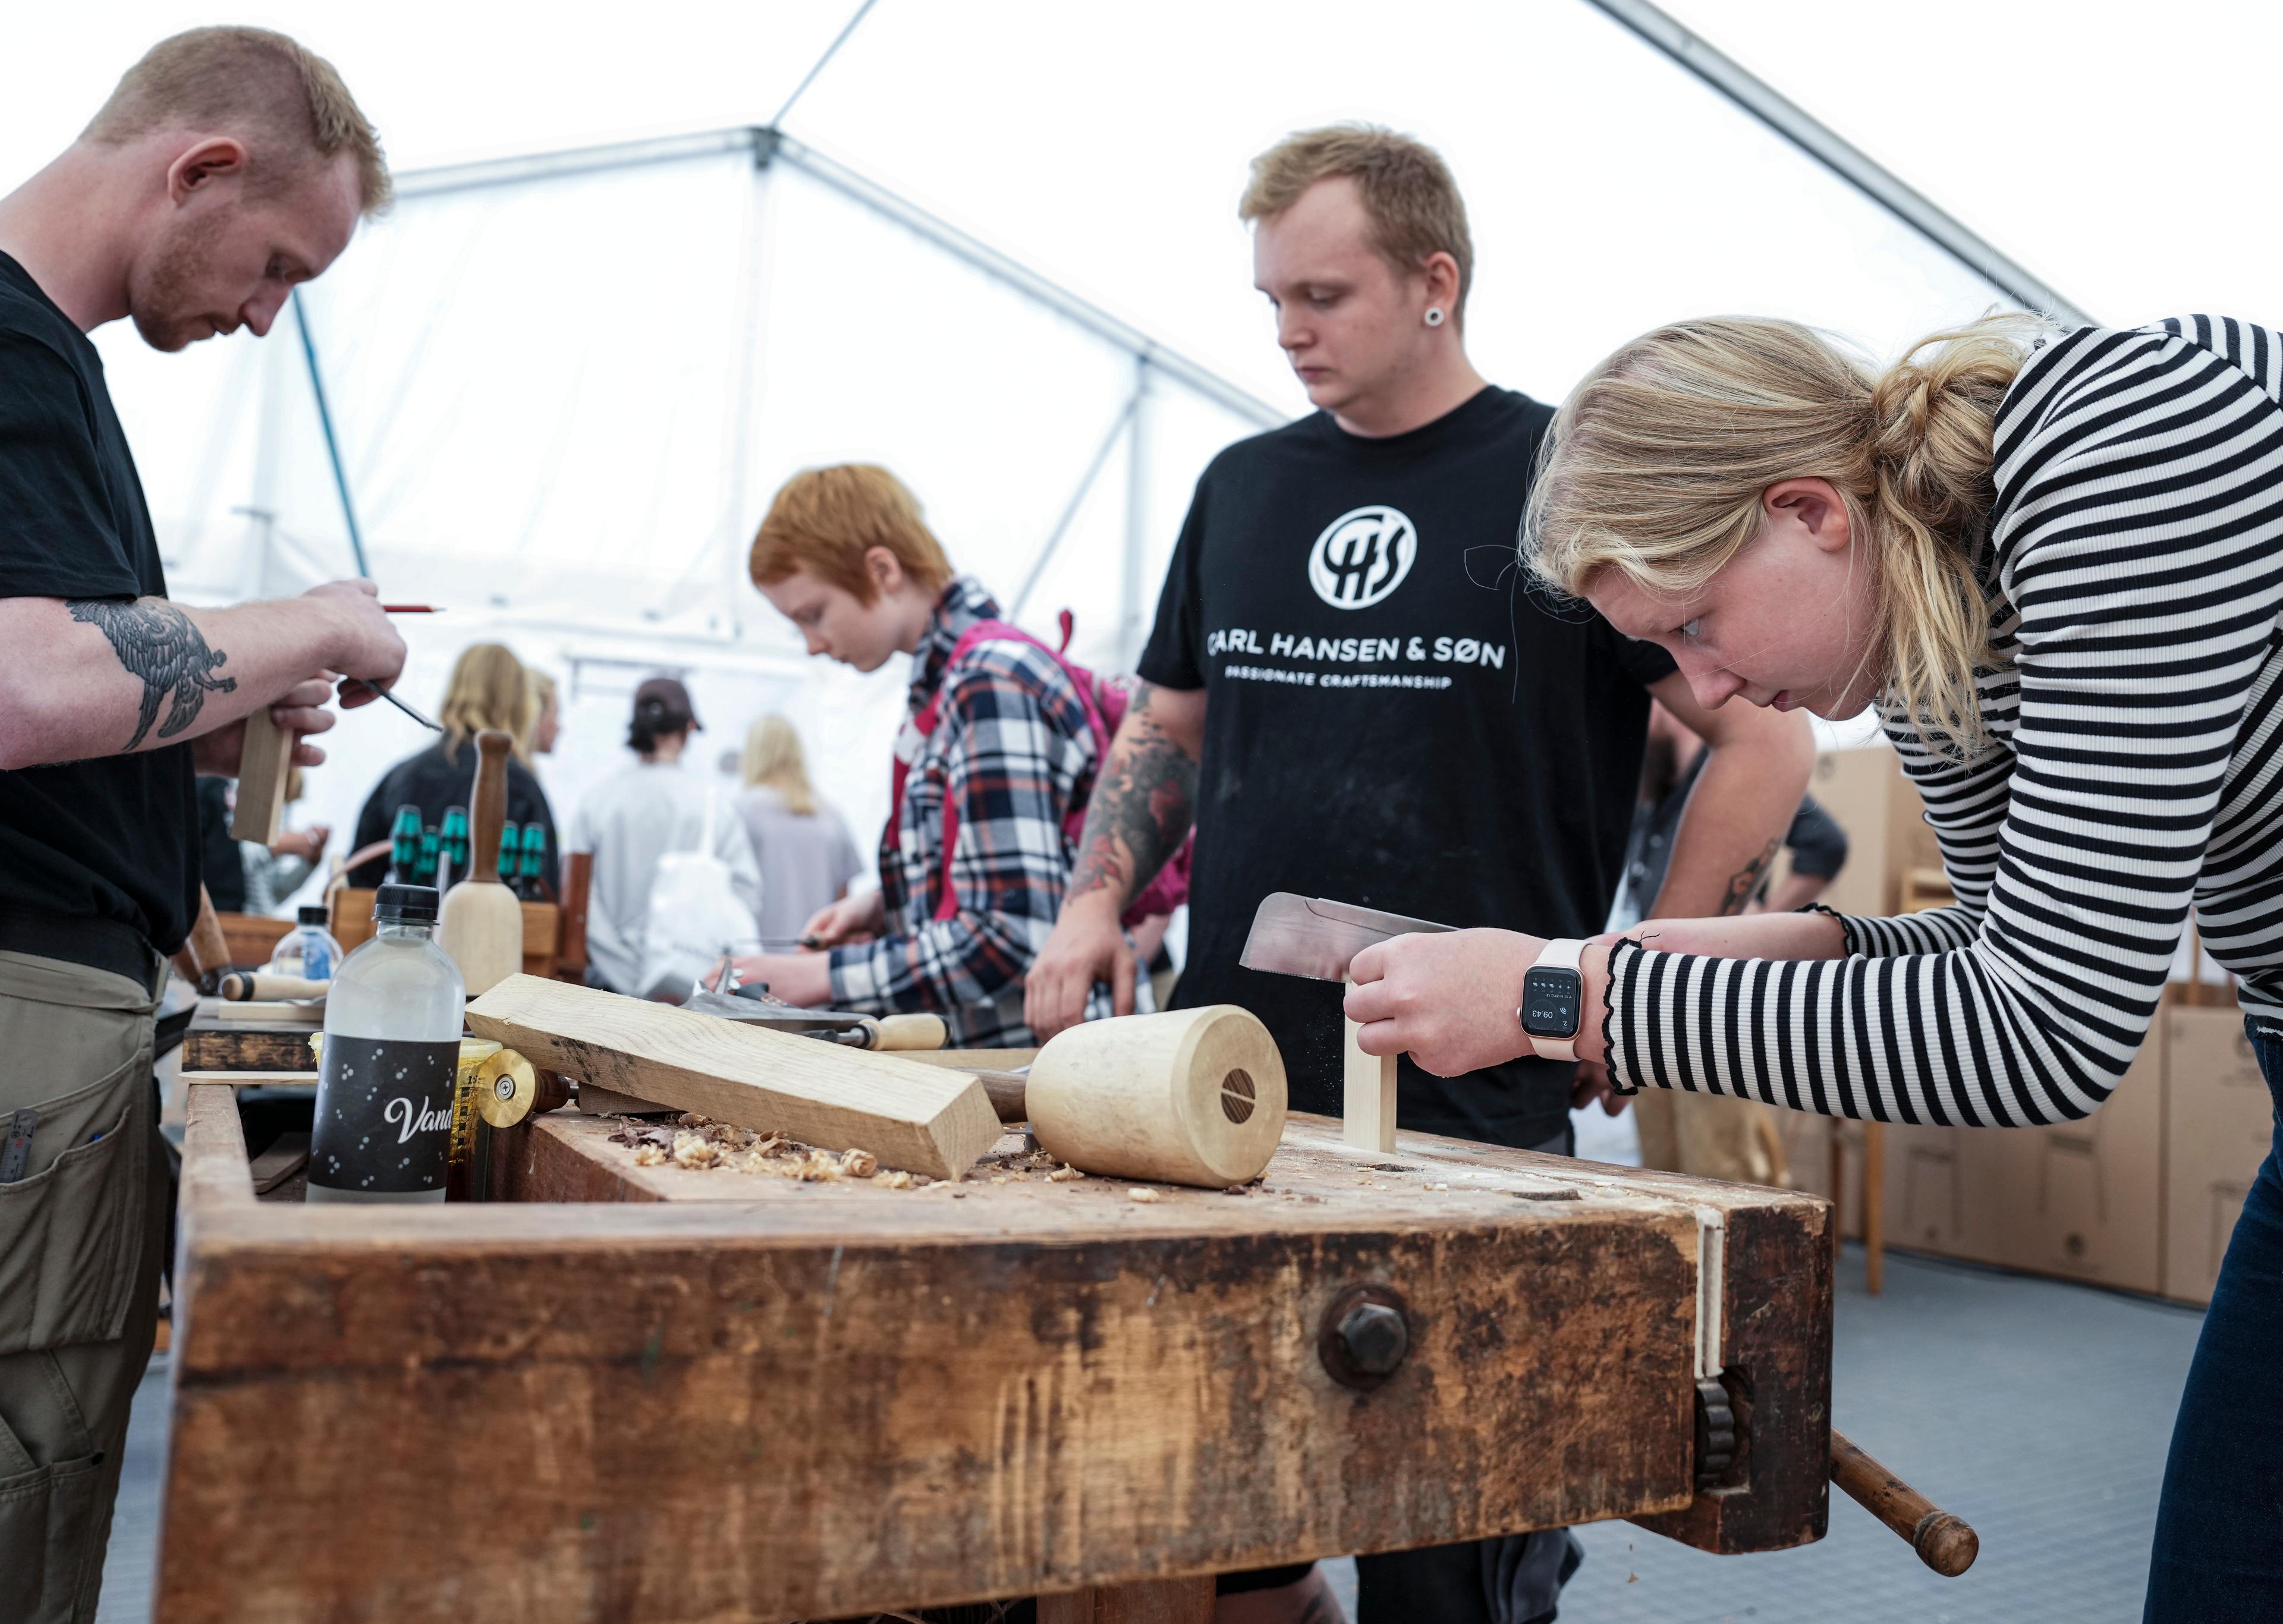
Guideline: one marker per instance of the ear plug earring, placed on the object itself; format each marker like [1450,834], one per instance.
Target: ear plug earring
[1435,315]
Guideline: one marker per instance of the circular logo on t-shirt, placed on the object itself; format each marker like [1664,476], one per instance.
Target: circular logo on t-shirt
[1362,556]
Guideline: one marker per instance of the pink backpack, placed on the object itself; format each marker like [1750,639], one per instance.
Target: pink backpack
[1105,705]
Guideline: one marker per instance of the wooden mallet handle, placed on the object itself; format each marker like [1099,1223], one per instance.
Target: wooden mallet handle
[205,954]
[488,805]
[1944,1543]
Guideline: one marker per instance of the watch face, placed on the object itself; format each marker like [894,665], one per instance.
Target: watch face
[1550,1002]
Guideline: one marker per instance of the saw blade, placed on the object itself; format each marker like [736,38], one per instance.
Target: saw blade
[1318,938]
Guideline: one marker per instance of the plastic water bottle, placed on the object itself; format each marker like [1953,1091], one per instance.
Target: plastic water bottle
[386,1082]
[309,950]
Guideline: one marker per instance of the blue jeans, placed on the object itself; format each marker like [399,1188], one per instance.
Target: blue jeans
[2219,1527]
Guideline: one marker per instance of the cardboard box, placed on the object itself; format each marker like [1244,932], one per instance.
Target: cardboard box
[1948,1190]
[1887,832]
[2085,1199]
[1806,1141]
[2219,1123]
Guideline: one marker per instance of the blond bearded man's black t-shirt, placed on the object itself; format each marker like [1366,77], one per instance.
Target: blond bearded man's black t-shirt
[1395,720]
[112,841]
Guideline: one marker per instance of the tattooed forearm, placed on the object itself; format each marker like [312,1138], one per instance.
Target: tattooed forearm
[1142,806]
[165,651]
[1746,880]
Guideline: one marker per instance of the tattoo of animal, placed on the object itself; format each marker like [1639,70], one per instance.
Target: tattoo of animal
[1746,880]
[1142,806]
[162,649]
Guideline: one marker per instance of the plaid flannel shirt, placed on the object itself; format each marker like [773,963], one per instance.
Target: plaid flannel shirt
[1012,750]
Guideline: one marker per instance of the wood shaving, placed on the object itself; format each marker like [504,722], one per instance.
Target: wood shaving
[696,1150]
[1142,1194]
[859,1163]
[897,1180]
[999,1178]
[649,1155]
[1064,1175]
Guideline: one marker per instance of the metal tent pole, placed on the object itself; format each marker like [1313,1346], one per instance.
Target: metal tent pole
[325,420]
[1844,159]
[768,145]
[1032,576]
[1132,587]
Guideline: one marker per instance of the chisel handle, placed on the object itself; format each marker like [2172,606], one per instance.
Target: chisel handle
[907,1032]
[205,955]
[1944,1543]
[245,986]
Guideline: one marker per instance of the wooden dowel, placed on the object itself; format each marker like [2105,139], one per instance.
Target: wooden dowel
[1944,1543]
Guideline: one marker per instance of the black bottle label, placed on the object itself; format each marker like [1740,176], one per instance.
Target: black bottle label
[383,1122]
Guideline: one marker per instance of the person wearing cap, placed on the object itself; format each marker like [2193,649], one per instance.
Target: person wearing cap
[652,806]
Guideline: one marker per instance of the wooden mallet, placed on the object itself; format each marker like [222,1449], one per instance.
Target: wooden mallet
[481,925]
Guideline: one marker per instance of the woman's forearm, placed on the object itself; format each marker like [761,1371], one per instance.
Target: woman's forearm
[1756,935]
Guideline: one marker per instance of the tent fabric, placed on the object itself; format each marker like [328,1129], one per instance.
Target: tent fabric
[563,402]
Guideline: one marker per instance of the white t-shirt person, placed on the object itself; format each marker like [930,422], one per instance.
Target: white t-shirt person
[629,821]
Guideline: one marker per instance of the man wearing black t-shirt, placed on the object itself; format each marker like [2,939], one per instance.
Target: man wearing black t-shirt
[229,165]
[1350,694]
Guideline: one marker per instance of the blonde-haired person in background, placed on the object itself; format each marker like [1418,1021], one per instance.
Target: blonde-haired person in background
[996,751]
[2056,563]
[802,845]
[543,723]
[229,165]
[488,688]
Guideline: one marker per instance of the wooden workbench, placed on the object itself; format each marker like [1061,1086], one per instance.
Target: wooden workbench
[650,1394]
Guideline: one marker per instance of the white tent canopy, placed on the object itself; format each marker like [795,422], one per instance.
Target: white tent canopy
[565,388]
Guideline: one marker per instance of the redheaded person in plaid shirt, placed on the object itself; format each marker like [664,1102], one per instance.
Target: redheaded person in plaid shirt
[846,556]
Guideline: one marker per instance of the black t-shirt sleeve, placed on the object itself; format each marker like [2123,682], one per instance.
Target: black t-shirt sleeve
[373,824]
[59,538]
[1818,845]
[1175,656]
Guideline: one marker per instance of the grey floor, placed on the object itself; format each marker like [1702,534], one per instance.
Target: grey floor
[2039,1411]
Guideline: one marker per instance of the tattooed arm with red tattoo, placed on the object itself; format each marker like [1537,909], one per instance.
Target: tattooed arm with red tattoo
[1141,808]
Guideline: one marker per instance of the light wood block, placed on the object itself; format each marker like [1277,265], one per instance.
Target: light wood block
[596,1100]
[1368,1100]
[910,1116]
[262,767]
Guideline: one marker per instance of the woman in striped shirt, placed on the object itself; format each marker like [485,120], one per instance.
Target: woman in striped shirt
[2055,560]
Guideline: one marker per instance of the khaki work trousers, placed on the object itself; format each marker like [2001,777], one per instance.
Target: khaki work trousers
[80,1233]
[1713,1136]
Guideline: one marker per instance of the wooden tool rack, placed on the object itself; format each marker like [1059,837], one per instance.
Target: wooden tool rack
[646,1392]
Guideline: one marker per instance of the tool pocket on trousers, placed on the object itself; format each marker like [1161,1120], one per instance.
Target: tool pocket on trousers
[69,1233]
[47,1526]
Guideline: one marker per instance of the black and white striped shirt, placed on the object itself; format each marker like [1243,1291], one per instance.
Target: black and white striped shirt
[2135,577]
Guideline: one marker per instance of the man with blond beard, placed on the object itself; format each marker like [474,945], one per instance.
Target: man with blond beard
[229,165]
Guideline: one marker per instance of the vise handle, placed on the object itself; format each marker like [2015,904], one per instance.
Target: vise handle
[1945,1543]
